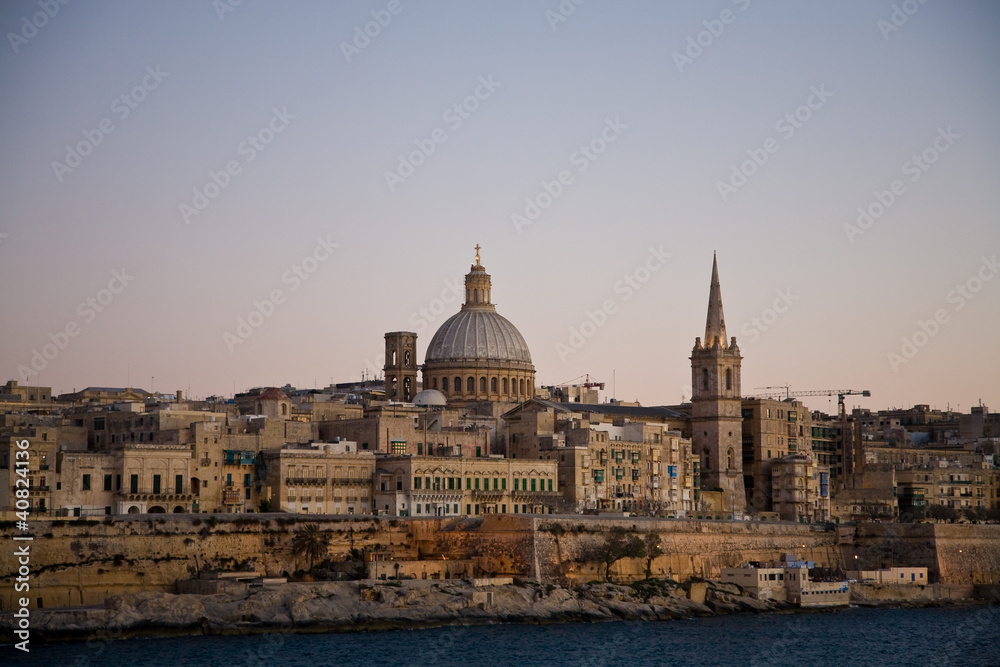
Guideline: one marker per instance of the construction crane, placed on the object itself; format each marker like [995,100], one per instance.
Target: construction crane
[853,455]
[839,393]
[587,382]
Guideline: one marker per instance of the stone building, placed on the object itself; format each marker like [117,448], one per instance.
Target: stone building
[608,461]
[476,354]
[800,489]
[316,478]
[452,485]
[716,418]
[771,429]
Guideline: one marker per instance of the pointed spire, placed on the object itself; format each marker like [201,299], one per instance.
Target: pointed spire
[715,326]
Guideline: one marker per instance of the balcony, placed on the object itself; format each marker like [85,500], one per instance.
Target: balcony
[305,481]
[143,496]
[350,481]
[231,497]
[540,494]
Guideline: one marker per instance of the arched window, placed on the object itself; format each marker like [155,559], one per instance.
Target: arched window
[444,384]
[522,387]
[505,385]
[393,358]
[406,357]
[729,378]
[284,411]
[434,383]
[704,379]
[482,385]
[470,385]
[493,385]
[458,385]
[475,296]
[730,463]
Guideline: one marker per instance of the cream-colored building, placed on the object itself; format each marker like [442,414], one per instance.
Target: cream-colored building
[800,489]
[894,575]
[790,584]
[317,478]
[451,485]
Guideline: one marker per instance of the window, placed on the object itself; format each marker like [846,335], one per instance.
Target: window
[156,483]
[458,385]
[482,385]
[107,482]
[86,482]
[416,482]
[479,451]
[444,384]
[729,378]
[503,485]
[493,385]
[550,485]
[468,483]
[532,483]
[420,448]
[477,484]
[399,483]
[133,484]
[505,385]
[470,385]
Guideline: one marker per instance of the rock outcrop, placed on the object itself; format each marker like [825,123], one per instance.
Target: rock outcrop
[369,605]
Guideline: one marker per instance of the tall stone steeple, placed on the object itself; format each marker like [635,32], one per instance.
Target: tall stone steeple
[716,406]
[715,326]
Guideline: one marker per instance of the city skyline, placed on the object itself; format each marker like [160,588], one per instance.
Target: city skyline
[170,167]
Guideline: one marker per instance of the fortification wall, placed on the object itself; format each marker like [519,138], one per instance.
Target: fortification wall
[74,563]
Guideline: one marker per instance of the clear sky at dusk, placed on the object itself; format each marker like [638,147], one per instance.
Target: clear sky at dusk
[180,164]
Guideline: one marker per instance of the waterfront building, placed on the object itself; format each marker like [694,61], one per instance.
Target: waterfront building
[451,485]
[316,478]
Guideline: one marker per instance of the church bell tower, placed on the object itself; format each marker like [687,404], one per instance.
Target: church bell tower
[400,366]
[716,410]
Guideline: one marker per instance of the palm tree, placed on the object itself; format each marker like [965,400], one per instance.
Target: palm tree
[311,542]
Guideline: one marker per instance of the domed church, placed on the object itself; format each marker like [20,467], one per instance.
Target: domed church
[477,354]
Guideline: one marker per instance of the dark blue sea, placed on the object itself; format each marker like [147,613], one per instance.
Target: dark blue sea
[961,636]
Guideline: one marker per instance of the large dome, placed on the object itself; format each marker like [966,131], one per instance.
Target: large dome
[477,334]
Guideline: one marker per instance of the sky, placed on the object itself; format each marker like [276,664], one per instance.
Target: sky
[212,196]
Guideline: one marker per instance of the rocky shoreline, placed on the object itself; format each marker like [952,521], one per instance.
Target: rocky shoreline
[353,606]
[358,606]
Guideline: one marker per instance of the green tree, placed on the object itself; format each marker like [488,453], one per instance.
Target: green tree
[619,544]
[310,542]
[653,549]
[264,505]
